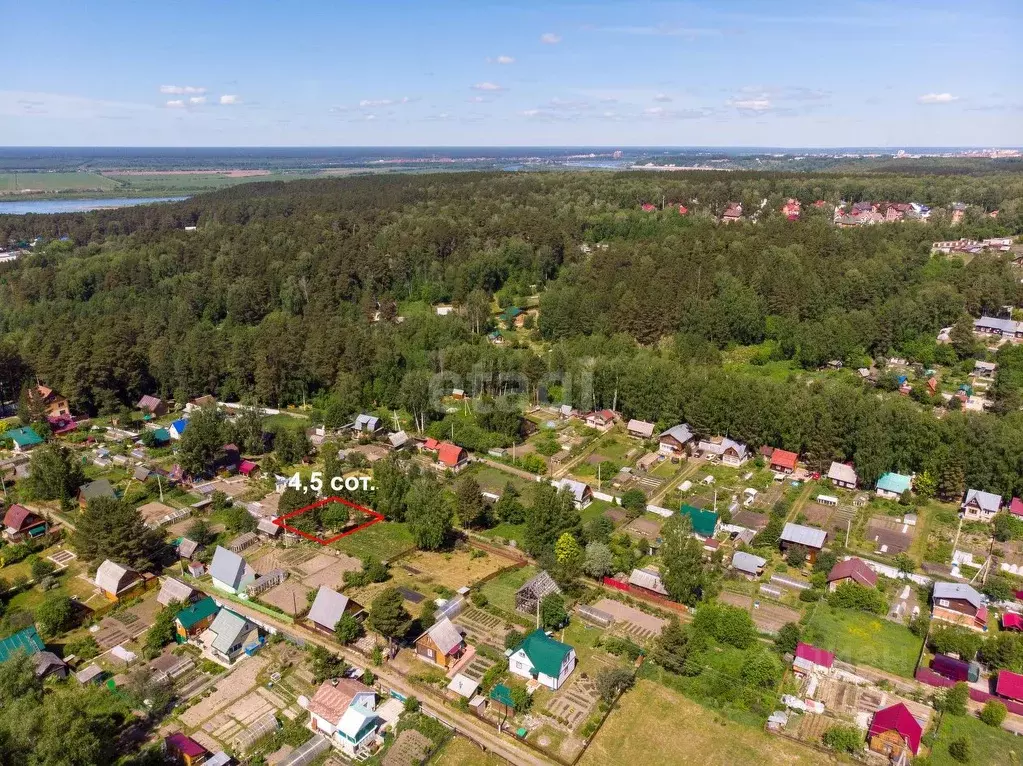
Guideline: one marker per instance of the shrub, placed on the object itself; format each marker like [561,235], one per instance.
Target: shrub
[613,682]
[850,595]
[960,749]
[994,713]
[622,647]
[845,739]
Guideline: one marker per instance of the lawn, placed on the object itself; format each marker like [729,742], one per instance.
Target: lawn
[594,510]
[990,745]
[501,590]
[863,639]
[644,729]
[461,752]
[384,541]
[505,531]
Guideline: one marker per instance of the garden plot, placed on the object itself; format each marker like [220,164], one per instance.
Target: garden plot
[890,535]
[409,749]
[232,687]
[767,616]
[290,597]
[649,484]
[577,699]
[333,574]
[634,623]
[476,669]
[483,627]
[836,520]
[111,633]
[453,570]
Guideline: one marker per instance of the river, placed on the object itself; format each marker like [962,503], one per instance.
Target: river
[21,207]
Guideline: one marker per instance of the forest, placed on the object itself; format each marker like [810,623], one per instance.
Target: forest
[273,298]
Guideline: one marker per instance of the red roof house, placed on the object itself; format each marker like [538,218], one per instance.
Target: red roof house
[682,210]
[810,657]
[852,570]
[1016,507]
[783,461]
[1010,685]
[648,208]
[247,467]
[20,523]
[1012,621]
[894,729]
[431,444]
[187,749]
[451,455]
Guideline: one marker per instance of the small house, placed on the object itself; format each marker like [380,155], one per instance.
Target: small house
[118,582]
[783,461]
[27,641]
[441,644]
[810,538]
[22,439]
[566,412]
[185,749]
[228,636]
[174,590]
[704,523]
[344,710]
[194,619]
[46,664]
[328,607]
[452,457]
[188,548]
[676,441]
[92,674]
[892,485]
[366,424]
[177,429]
[501,701]
[56,406]
[640,429]
[852,570]
[648,580]
[749,565]
[22,524]
[581,493]
[959,604]
[230,572]
[94,490]
[1012,621]
[152,406]
[533,591]
[842,475]
[955,669]
[201,401]
[397,440]
[895,733]
[1016,507]
[733,213]
[810,659]
[980,506]
[540,657]
[602,420]
[731,452]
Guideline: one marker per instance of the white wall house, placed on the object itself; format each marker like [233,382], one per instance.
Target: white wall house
[541,657]
[343,709]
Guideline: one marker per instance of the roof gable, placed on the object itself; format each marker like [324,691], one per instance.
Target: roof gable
[802,535]
[958,591]
[545,653]
[898,718]
[784,458]
[328,607]
[227,566]
[450,454]
[854,569]
[815,655]
[704,522]
[197,612]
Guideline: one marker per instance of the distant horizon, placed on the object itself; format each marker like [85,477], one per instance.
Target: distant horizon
[609,147]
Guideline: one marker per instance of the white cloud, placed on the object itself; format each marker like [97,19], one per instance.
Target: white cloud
[662,97]
[197,100]
[654,110]
[487,86]
[181,90]
[761,104]
[549,38]
[230,100]
[530,112]
[501,60]
[937,98]
[374,102]
[176,104]
[476,100]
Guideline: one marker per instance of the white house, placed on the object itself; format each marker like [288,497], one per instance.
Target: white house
[344,710]
[582,494]
[230,572]
[228,636]
[541,657]
[842,475]
[980,506]
[731,452]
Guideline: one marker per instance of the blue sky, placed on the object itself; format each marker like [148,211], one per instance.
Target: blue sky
[738,73]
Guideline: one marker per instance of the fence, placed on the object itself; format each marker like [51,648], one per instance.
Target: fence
[644,595]
[929,677]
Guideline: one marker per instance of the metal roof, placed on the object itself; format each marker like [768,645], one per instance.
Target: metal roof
[988,501]
[958,590]
[747,562]
[174,590]
[809,536]
[328,607]
[109,576]
[445,635]
[842,472]
[227,566]
[228,628]
[680,433]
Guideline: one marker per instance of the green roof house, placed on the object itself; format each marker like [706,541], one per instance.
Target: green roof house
[23,439]
[705,523]
[26,640]
[195,618]
[541,657]
[892,485]
[501,700]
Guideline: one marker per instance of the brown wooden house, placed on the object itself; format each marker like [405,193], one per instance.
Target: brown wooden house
[894,732]
[441,644]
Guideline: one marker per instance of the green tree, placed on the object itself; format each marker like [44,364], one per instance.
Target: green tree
[760,669]
[348,629]
[925,485]
[201,531]
[388,616]
[469,503]
[567,550]
[111,529]
[163,630]
[904,563]
[508,509]
[552,611]
[961,749]
[55,473]
[683,574]
[430,525]
[202,442]
[787,638]
[599,561]
[678,650]
[612,682]
[954,700]
[994,713]
[634,502]
[326,664]
[54,615]
[845,739]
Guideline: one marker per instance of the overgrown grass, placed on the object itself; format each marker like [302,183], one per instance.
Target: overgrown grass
[384,541]
[863,639]
[500,591]
[989,744]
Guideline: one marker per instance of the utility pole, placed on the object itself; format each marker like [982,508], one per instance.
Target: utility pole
[159,482]
[848,528]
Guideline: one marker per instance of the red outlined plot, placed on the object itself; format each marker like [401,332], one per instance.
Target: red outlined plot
[374,519]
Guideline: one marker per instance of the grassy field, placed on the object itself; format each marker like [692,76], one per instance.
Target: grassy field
[55,182]
[501,590]
[384,540]
[990,745]
[516,532]
[461,752]
[645,726]
[864,639]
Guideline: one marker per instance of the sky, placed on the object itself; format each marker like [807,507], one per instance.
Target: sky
[539,73]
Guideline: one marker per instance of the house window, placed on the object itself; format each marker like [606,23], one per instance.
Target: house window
[942,602]
[518,666]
